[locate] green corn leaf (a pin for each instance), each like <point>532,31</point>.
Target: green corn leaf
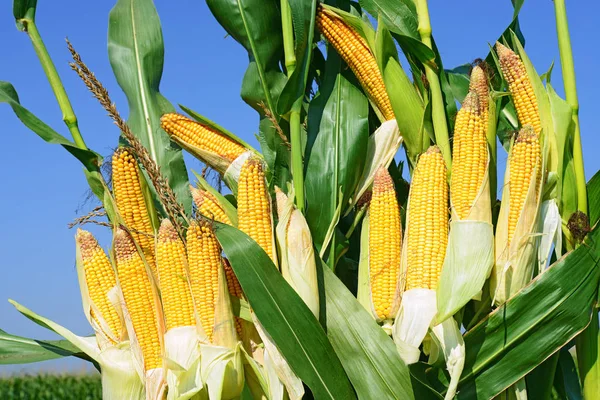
<point>136,53</point>
<point>21,350</point>
<point>338,133</point>
<point>284,316</point>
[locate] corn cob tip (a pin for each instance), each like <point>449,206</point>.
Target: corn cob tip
<point>124,246</point>
<point>526,134</point>
<point>433,150</point>
<point>502,50</point>
<point>167,232</point>
<point>87,242</point>
<point>383,180</point>
<point>471,103</point>
<point>478,75</point>
<point>281,198</point>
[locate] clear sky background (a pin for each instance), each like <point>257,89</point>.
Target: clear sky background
<point>44,188</point>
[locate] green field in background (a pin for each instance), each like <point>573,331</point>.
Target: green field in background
<point>51,387</point>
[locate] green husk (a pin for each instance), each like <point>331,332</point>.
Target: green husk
<point>448,338</point>
<point>363,293</point>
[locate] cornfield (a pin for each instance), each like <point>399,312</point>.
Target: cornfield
<point>362,251</point>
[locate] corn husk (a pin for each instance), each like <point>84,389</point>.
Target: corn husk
<point>449,341</point>
<point>515,264</point>
<point>120,379</point>
<point>182,360</point>
<point>381,149</point>
<point>551,223</point>
<point>363,293</point>
<point>416,312</point>
<point>231,175</point>
<point>296,251</point>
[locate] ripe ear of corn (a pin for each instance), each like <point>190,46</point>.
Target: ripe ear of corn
<point>254,206</point>
<point>208,205</point>
<point>470,160</point>
<point>354,51</point>
<point>200,139</point>
<point>142,305</point>
<point>178,307</point>
<point>131,203</point>
<point>520,87</point>
<point>100,279</point>
<point>385,242</point>
<point>427,221</point>
<point>204,261</point>
<point>235,290</point>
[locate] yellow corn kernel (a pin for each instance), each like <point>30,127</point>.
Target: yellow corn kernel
<point>354,51</point>
<point>254,206</point>
<point>204,261</point>
<point>427,221</point>
<point>201,136</point>
<point>127,189</point>
<point>469,155</point>
<point>385,242</point>
<point>100,279</point>
<point>235,290</point>
<point>520,87</point>
<point>178,307</point>
<point>209,206</point>
<point>139,299</point>
<point>524,159</point>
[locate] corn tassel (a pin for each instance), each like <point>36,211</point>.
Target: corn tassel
<point>520,87</point>
<point>127,189</point>
<point>100,279</point>
<point>254,206</point>
<point>204,260</point>
<point>427,226</point>
<point>469,155</point>
<point>354,51</point>
<point>385,242</point>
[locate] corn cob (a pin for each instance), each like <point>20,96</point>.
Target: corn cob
<point>100,279</point>
<point>209,206</point>
<point>235,290</point>
<point>254,206</point>
<point>204,260</point>
<point>385,242</point>
<point>525,158</point>
<point>127,190</point>
<point>427,224</point>
<point>469,155</point>
<point>479,84</point>
<point>178,307</point>
<point>520,87</point>
<point>202,136</point>
<point>354,51</point>
<point>139,298</point>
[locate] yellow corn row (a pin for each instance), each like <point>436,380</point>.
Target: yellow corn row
<point>427,225</point>
<point>469,155</point>
<point>201,136</point>
<point>178,306</point>
<point>385,242</point>
<point>525,157</point>
<point>254,206</point>
<point>139,298</point>
<point>127,189</point>
<point>520,87</point>
<point>204,261</point>
<point>209,206</point>
<point>100,279</point>
<point>235,289</point>
<point>354,51</point>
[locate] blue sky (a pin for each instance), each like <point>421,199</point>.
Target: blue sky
<point>45,188</point>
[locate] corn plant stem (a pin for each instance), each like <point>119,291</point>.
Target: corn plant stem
<point>440,125</point>
<point>568,71</point>
<point>295,121</point>
<point>59,90</point>
<point>357,218</point>
<point>587,345</point>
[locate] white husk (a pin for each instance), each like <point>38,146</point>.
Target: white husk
<point>276,387</point>
<point>120,380</point>
<point>468,263</point>
<point>382,146</point>
<point>450,340</point>
<point>232,172</point>
<point>182,360</point>
<point>363,294</point>
<point>298,266</point>
<point>551,233</point>
<point>417,309</point>
<point>222,371</point>
<point>290,380</point>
